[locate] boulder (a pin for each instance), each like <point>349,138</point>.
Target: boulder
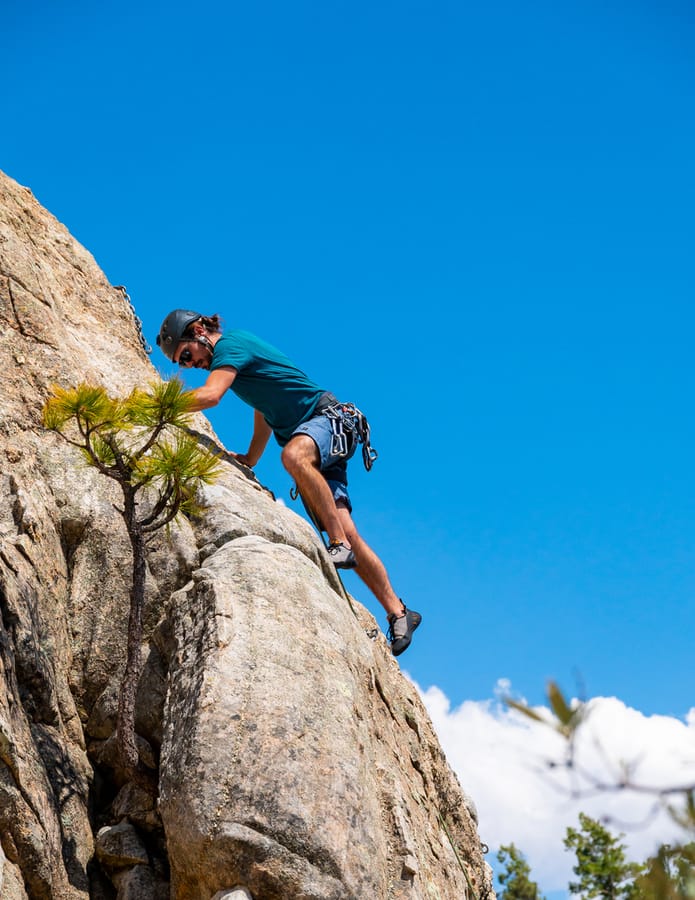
<point>289,755</point>
<point>120,846</point>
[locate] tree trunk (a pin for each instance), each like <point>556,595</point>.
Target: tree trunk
<point>127,745</point>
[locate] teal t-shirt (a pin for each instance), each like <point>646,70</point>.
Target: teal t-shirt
<point>268,381</point>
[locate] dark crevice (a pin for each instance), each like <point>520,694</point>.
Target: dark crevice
<point>13,305</point>
<point>315,856</point>
<point>382,694</point>
<point>225,456</point>
<point>20,326</point>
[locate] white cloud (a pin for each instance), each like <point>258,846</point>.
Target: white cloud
<point>502,760</point>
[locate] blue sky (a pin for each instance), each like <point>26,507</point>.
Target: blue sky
<point>473,220</point>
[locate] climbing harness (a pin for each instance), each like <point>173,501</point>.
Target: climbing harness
<point>347,420</point>
<point>138,322</point>
<point>347,423</point>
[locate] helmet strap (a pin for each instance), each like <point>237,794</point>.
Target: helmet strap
<point>202,339</point>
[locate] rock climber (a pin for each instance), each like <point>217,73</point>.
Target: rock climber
<point>317,433</point>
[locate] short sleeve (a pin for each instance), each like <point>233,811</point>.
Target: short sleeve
<point>231,350</point>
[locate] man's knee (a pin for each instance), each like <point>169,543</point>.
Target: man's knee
<point>287,456</point>
<point>298,452</point>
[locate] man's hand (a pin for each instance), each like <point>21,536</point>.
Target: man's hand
<point>261,435</point>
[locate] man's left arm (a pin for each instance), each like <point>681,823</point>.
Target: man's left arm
<point>259,441</point>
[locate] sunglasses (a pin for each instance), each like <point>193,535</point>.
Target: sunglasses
<point>185,357</point>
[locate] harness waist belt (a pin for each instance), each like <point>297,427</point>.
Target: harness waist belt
<point>325,401</point>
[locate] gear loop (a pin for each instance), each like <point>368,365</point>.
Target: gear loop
<point>346,417</point>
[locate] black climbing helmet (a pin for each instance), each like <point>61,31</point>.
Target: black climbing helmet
<point>173,328</point>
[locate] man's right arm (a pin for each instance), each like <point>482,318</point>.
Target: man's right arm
<point>211,392</point>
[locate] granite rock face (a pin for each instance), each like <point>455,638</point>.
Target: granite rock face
<point>285,754</point>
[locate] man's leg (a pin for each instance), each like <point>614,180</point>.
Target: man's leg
<point>369,567</point>
<point>402,621</point>
<point>302,460</point>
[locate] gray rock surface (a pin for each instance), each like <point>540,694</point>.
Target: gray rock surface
<point>288,755</point>
<point>140,883</point>
<point>120,847</point>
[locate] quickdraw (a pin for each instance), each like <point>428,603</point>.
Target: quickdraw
<point>138,321</point>
<point>347,420</point>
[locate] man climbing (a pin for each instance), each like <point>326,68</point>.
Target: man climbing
<point>317,433</point>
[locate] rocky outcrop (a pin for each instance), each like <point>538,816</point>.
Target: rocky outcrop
<point>285,756</point>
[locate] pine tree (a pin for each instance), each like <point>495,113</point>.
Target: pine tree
<point>140,443</point>
<point>514,879</point>
<point>602,867</point>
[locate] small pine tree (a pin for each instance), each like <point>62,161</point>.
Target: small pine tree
<point>515,878</point>
<point>139,442</point>
<point>602,867</point>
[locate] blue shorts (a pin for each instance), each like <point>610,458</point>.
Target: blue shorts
<point>333,467</point>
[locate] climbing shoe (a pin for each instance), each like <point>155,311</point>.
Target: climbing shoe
<point>401,629</point>
<point>342,556</point>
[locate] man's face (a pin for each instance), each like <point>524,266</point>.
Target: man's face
<point>191,354</point>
